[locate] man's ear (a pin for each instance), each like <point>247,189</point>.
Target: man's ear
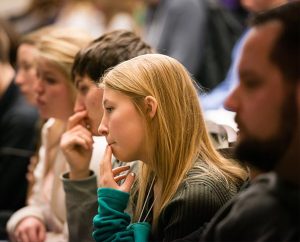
<point>150,106</point>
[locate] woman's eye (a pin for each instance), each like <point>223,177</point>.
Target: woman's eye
<point>22,65</point>
<point>109,109</point>
<point>50,80</point>
<point>27,66</point>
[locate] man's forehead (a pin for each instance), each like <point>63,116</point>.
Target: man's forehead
<point>259,43</point>
<point>79,79</point>
<point>264,34</point>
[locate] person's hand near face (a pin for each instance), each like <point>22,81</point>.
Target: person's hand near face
<point>110,178</point>
<point>77,146</point>
<point>30,229</point>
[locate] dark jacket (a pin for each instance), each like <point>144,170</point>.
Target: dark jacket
<point>18,127</point>
<point>269,210</point>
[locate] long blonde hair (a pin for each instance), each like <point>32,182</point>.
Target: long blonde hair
<point>60,45</point>
<point>177,133</point>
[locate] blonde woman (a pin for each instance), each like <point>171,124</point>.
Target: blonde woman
<point>26,76</point>
<point>44,219</point>
<point>26,79</point>
<point>152,114</point>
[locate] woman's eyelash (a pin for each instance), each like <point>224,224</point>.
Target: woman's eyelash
<point>108,109</point>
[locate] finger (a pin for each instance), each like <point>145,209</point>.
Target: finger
<point>41,233</point>
<point>73,138</point>
<point>80,142</point>
<point>116,171</point>
<point>105,163</point>
<point>75,119</point>
<point>82,133</point>
<point>82,129</point>
<point>23,237</point>
<point>120,178</point>
<point>32,234</point>
<point>126,186</point>
<point>86,135</point>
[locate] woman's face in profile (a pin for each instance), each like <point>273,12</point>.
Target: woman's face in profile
<point>123,126</point>
<point>26,77</point>
<point>55,97</point>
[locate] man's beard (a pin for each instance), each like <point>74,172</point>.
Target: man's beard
<point>265,154</point>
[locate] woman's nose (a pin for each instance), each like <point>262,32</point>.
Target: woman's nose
<point>19,78</point>
<point>38,87</point>
<point>103,130</point>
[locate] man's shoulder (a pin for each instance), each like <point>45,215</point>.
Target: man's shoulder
<point>264,210</point>
<point>265,193</point>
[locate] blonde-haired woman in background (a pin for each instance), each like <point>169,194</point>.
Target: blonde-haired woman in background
<point>26,76</point>
<point>44,219</point>
<point>152,114</point>
<point>26,79</point>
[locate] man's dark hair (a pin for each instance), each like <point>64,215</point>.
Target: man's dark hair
<point>286,50</point>
<point>106,52</point>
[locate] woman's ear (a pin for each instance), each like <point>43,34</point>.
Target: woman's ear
<point>150,106</point>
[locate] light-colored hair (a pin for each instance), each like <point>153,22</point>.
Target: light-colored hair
<point>32,38</point>
<point>177,132</point>
<point>60,47</point>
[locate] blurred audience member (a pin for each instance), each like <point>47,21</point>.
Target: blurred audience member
<point>216,98</point>
<point>82,14</point>
<point>39,13</point>
<point>26,79</point>
<point>18,132</point>
<point>44,219</point>
<point>176,28</point>
<point>118,14</point>
<point>26,76</point>
<point>200,34</point>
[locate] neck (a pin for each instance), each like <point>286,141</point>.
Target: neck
<point>7,74</point>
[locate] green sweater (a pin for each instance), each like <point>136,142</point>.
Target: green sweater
<point>112,223</point>
<point>197,199</point>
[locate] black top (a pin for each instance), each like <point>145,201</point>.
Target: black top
<point>18,137</point>
<point>197,199</point>
<point>269,210</point>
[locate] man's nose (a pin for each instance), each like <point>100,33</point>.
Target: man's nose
<point>79,104</point>
<point>231,102</point>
